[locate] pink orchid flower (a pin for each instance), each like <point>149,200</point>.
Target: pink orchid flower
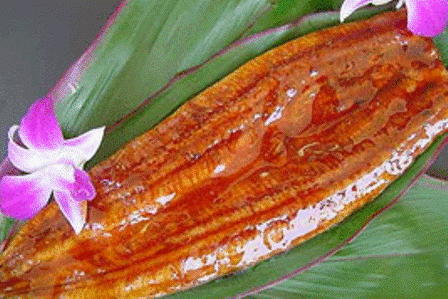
<point>425,17</point>
<point>54,166</point>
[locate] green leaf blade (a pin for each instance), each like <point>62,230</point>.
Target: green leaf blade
<point>148,44</point>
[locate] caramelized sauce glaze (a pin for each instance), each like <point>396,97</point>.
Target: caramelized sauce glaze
<point>277,152</point>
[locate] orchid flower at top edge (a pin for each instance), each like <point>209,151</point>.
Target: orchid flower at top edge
<point>53,166</point>
<point>426,18</point>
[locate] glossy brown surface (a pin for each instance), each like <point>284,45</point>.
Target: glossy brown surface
<point>278,151</point>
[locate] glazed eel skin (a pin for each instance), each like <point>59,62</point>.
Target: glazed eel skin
<point>278,151</point>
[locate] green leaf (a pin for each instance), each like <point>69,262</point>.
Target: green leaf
<point>148,44</point>
<point>285,12</point>
<point>6,225</point>
<point>401,254</point>
<point>441,42</point>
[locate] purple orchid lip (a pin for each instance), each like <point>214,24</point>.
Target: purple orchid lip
<point>54,166</point>
<point>426,18</point>
<point>83,187</point>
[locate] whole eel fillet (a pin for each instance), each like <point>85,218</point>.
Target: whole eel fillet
<point>280,150</point>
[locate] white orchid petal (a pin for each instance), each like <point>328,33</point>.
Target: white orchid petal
<point>349,7</point>
<point>74,152</point>
<point>74,211</point>
<point>60,176</point>
<point>380,2</point>
<point>27,160</point>
<point>86,145</point>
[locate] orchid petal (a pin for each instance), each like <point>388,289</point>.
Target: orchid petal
<point>39,128</point>
<point>22,197</point>
<point>85,145</point>
<point>427,18</point>
<point>83,187</point>
<point>55,165</point>
<point>74,211</point>
<point>380,2</point>
<point>59,176</point>
<point>25,159</point>
<point>349,7</point>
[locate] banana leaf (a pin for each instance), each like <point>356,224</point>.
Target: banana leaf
<point>152,56</point>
